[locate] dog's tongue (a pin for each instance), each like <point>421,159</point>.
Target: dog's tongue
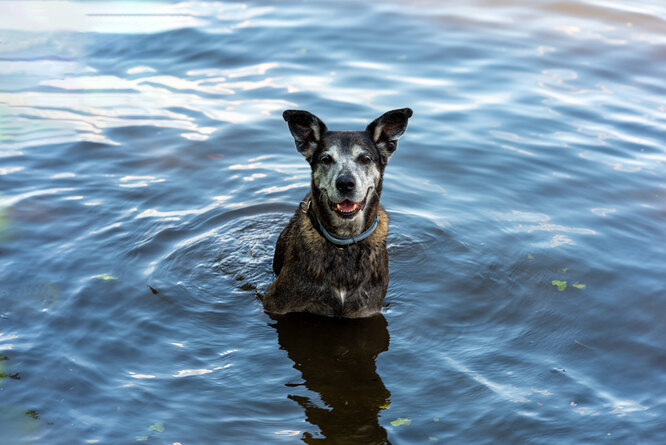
<point>347,205</point>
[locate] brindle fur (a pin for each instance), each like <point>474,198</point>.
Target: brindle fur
<point>314,275</point>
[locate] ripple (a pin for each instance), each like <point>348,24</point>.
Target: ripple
<point>86,122</point>
<point>508,392</point>
<point>145,98</point>
<point>191,372</point>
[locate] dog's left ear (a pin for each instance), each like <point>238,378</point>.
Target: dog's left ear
<point>307,130</point>
<point>387,128</point>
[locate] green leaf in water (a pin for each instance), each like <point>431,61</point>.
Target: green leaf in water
<point>530,257</point>
<point>578,285</point>
<point>561,285</point>
<point>141,438</point>
<point>105,276</point>
<point>159,427</point>
<point>401,421</point>
<point>385,405</point>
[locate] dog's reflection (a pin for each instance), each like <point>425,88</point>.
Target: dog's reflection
<point>336,358</point>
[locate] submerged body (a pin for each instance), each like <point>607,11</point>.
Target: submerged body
<point>331,258</point>
<point>315,276</point>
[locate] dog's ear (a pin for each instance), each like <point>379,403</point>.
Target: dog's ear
<point>387,128</point>
<point>307,130</point>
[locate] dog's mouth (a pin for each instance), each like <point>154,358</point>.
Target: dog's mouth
<point>347,208</point>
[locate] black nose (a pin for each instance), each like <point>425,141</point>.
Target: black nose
<point>345,183</point>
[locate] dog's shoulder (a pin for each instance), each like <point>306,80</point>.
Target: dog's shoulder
<point>284,242</point>
<point>297,235</point>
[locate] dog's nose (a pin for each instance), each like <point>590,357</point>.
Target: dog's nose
<point>345,183</point>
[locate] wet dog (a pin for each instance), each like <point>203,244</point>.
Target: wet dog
<point>331,258</point>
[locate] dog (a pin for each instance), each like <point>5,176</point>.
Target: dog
<point>331,258</point>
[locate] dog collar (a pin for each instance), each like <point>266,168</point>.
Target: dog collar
<point>340,242</point>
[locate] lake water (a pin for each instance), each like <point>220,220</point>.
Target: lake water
<point>146,172</point>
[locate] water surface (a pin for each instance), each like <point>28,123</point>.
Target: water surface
<point>146,172</point>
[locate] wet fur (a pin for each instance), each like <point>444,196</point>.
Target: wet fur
<point>313,275</point>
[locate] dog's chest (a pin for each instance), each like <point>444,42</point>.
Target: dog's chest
<point>345,269</point>
<point>340,293</point>
<point>349,276</point>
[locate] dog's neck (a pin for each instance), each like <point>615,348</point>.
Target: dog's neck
<point>342,228</point>
<point>336,240</point>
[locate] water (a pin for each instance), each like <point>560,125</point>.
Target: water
<point>145,173</point>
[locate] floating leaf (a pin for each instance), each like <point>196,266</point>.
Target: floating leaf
<point>578,285</point>
<point>561,285</point>
<point>15,376</point>
<point>141,438</point>
<point>159,427</point>
<point>564,270</point>
<point>105,276</point>
<point>530,257</point>
<point>386,405</point>
<point>436,419</point>
<point>432,439</point>
<point>401,421</point>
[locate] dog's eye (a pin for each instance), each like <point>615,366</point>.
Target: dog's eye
<point>326,159</point>
<point>364,159</point>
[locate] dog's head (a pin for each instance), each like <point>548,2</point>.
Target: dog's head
<point>347,166</point>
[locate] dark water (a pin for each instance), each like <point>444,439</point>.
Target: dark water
<point>145,173</point>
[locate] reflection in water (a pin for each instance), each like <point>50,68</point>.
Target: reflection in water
<point>336,358</point>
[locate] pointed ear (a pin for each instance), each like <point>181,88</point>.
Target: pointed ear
<point>387,128</point>
<point>307,130</point>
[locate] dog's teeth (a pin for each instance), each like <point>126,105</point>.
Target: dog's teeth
<point>338,206</point>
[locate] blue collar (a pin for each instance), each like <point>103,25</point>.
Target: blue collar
<point>333,239</point>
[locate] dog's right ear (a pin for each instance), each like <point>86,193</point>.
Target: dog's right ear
<point>307,130</point>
